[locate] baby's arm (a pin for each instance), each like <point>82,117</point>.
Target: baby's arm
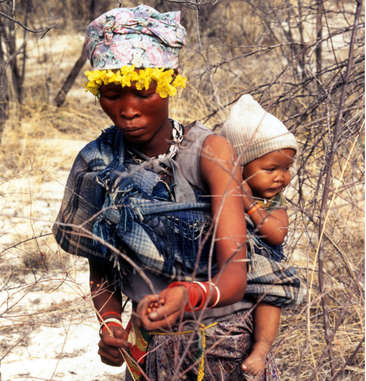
<point>272,225</point>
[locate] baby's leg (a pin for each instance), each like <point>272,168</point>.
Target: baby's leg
<point>266,322</point>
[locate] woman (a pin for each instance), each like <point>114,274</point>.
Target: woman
<point>136,206</point>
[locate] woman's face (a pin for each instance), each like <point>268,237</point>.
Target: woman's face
<point>142,116</point>
<point>269,174</point>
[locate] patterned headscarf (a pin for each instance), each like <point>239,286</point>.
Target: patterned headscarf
<point>141,37</point>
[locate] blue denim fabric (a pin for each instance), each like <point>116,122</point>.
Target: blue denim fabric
<point>259,246</point>
<point>140,216</point>
<point>255,244</point>
<point>134,211</point>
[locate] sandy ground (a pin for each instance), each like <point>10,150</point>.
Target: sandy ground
<point>48,329</point>
<point>47,325</point>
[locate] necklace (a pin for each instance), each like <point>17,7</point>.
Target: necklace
<point>177,138</point>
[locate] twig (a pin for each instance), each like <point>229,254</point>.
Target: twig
<point>24,241</point>
<point>325,196</point>
<point>43,31</point>
<point>349,360</point>
<point>11,348</point>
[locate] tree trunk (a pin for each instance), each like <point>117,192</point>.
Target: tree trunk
<point>4,91</point>
<point>61,95</point>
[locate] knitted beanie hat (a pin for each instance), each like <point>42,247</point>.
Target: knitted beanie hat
<point>254,132</point>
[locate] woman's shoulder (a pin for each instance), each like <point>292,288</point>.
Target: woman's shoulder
<point>216,146</point>
<point>106,138</point>
<point>188,158</point>
<point>194,138</point>
<point>102,149</point>
<point>202,136</point>
<point>197,129</point>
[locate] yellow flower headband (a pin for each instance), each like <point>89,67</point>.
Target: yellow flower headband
<point>166,81</point>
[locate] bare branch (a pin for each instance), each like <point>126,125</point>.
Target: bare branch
<point>43,31</point>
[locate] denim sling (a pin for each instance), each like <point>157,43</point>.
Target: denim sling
<point>140,215</point>
<point>110,201</point>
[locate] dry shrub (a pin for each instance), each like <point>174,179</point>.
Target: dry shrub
<point>239,48</point>
<point>322,339</point>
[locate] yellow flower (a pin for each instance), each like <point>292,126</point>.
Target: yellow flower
<point>180,81</point>
<point>109,77</point>
<point>128,75</point>
<point>166,84</point>
<point>144,80</point>
<point>92,75</point>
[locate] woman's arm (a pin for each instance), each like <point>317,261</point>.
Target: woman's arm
<point>108,306</point>
<point>104,297</point>
<point>223,179</point>
<point>272,225</point>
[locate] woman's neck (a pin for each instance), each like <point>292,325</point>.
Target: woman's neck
<point>159,143</point>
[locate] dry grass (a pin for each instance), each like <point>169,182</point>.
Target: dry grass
<point>41,141</point>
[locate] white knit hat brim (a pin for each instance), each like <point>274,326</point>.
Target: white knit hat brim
<point>248,152</point>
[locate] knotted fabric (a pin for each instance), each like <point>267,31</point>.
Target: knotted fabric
<point>140,215</point>
<point>139,36</point>
<point>110,202</point>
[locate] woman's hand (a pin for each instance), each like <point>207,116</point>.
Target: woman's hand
<point>168,306</point>
<point>110,344</point>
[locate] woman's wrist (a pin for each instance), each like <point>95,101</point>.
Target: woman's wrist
<point>200,294</point>
<point>109,319</point>
<point>109,314</point>
<point>109,323</point>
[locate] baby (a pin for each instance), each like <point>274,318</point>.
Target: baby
<point>266,150</point>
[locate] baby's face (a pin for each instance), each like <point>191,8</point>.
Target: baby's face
<point>269,174</point>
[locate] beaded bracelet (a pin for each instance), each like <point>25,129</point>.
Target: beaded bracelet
<point>254,203</point>
<point>110,313</point>
<point>253,209</point>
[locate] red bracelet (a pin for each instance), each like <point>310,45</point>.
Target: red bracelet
<point>112,323</point>
<point>199,289</point>
<point>196,293</point>
<point>110,314</point>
